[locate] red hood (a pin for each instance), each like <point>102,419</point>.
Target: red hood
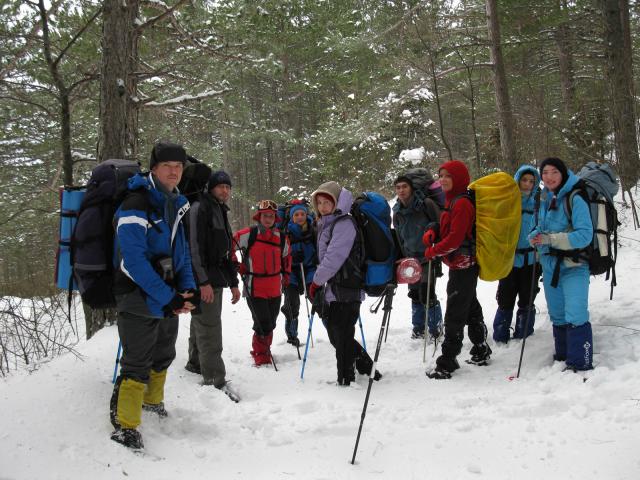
<point>460,175</point>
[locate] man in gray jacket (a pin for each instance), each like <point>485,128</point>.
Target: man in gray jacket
<point>210,240</point>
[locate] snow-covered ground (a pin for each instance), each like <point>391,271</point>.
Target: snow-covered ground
<point>548,424</point>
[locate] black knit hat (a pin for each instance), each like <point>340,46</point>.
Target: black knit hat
<point>559,164</point>
<point>219,177</point>
<point>167,152</point>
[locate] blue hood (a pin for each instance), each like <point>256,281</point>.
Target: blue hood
<point>533,171</point>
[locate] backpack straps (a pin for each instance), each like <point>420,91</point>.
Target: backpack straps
<point>149,209</point>
<point>468,243</point>
<point>253,238</point>
<point>577,254</point>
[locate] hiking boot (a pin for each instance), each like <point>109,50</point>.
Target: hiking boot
<point>434,321</point>
<point>445,366</point>
<point>527,318</point>
<point>434,337</point>
<point>480,354</point>
<point>417,333</point>
<point>344,382</point>
<point>129,437</point>
<point>189,367</point>
<point>293,341</point>
<point>229,392</point>
<point>157,408</point>
<point>501,325</point>
<point>439,373</point>
<point>260,359</point>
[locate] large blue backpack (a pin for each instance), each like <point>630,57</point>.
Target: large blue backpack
<point>372,216</point>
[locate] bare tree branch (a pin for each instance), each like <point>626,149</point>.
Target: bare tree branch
<point>28,102</point>
<point>187,98</point>
<point>30,37</point>
<point>77,36</point>
<point>167,12</point>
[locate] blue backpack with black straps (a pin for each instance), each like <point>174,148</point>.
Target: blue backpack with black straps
<point>372,216</point>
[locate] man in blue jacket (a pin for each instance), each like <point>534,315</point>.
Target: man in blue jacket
<point>154,283</point>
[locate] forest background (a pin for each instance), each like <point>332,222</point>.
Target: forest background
<point>286,94</point>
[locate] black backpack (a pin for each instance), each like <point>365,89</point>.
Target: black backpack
<point>195,177</point>
<point>424,186</point>
<point>93,235</point>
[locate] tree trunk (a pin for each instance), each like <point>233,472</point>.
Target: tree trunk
<point>118,117</point>
<point>62,95</point>
<point>619,76</point>
<point>434,80</point>
<point>503,104</point>
<point>565,61</point>
<point>472,106</point>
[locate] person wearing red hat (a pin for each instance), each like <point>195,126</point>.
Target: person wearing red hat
<point>453,240</point>
<point>265,269</point>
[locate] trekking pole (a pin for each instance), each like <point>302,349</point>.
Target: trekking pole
<point>529,308</point>
<point>249,304</point>
<point>364,344</point>
<point>306,302</point>
<point>388,301</point>
<point>306,347</point>
<point>288,300</point>
<point>386,333</point>
<point>424,352</point>
<point>115,370</point>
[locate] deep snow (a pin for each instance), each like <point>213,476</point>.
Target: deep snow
<point>548,424</point>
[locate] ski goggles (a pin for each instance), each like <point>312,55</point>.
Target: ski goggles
<point>267,205</point>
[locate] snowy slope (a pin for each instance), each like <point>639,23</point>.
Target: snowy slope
<point>548,424</point>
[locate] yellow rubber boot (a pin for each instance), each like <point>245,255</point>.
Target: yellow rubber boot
<point>129,410</point>
<point>154,393</point>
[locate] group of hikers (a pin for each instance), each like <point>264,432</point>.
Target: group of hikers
<point>173,258</point>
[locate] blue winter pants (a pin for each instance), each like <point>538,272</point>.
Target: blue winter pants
<point>568,303</point>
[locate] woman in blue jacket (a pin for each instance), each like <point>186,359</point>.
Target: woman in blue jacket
<point>519,281</point>
<point>566,282</point>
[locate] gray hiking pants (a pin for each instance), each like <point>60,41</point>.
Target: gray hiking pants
<point>147,343</point>
<point>205,341</point>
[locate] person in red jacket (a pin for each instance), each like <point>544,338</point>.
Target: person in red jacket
<point>265,269</point>
<point>453,240</point>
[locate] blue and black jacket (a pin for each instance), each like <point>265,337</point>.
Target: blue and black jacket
<point>303,252</point>
<point>525,253</point>
<point>148,227</point>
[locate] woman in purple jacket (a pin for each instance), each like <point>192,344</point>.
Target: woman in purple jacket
<point>335,289</point>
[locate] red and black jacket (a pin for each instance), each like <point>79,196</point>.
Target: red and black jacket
<point>265,259</point>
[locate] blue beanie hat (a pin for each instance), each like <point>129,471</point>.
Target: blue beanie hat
<point>296,207</point>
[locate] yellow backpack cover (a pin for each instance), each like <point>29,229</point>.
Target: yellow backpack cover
<point>498,215</point>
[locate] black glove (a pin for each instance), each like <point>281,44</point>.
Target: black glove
<point>195,300</point>
<point>176,303</point>
<point>297,257</point>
